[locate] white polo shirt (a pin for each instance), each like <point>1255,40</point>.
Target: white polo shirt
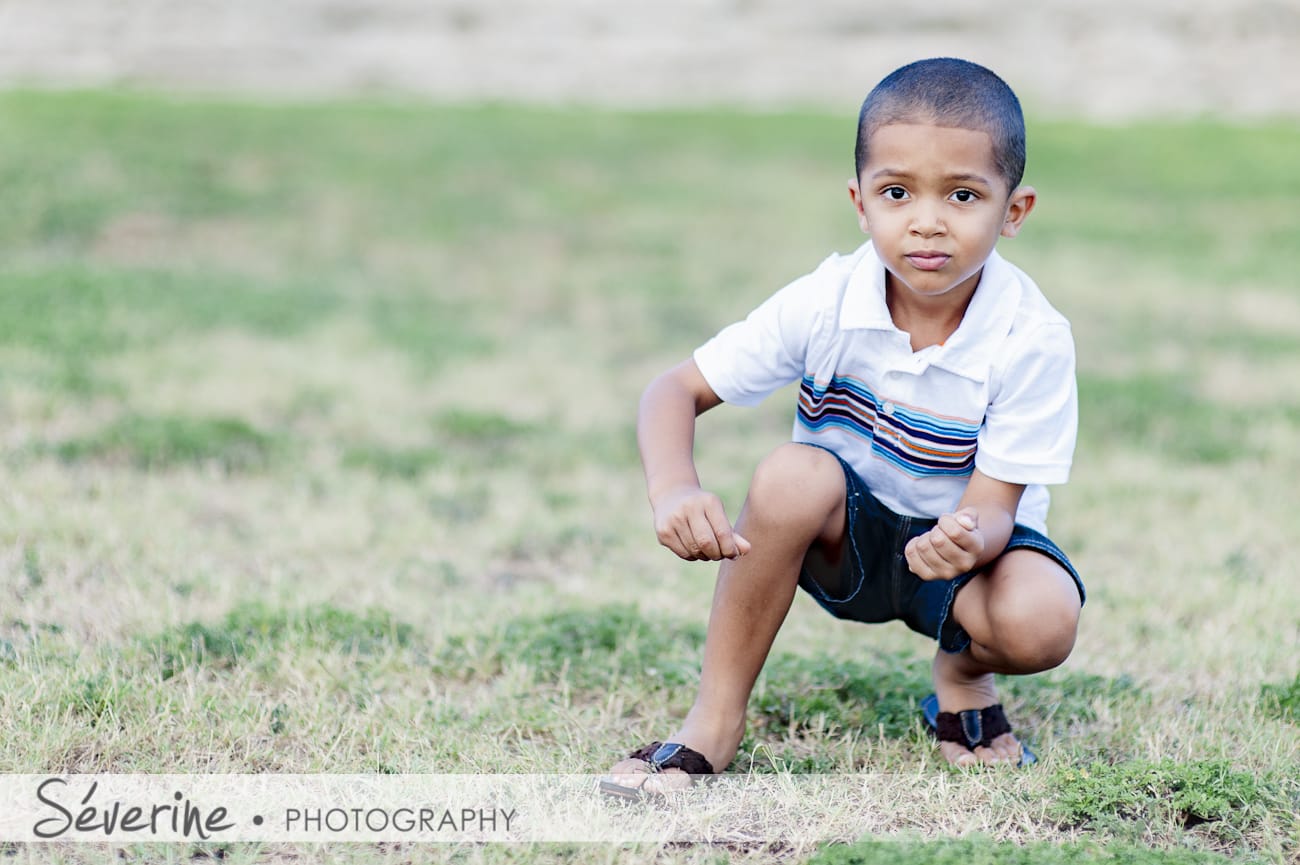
<point>998,395</point>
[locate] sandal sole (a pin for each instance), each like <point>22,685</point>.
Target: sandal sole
<point>621,791</point>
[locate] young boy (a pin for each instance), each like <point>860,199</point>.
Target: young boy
<point>937,398</point>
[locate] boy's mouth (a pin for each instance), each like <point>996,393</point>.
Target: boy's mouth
<point>926,260</point>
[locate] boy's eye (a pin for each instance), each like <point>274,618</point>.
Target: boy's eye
<point>895,193</point>
<point>964,196</point>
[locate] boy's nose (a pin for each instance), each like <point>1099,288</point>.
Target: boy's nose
<point>926,221</point>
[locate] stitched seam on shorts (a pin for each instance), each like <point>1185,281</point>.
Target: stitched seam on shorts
<point>946,615</point>
<point>852,493</point>
<point>851,524</point>
<point>900,565</point>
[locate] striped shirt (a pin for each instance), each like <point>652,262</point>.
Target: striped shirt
<point>998,395</point>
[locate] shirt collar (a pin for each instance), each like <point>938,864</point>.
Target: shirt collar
<point>969,351</point>
<point>864,304</point>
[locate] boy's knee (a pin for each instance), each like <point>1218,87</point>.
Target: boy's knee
<point>798,470</point>
<point>1035,636</point>
<point>797,478</point>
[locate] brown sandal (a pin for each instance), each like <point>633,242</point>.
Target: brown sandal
<point>973,728</point>
<point>660,756</point>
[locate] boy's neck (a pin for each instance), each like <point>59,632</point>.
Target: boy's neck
<point>929,321</point>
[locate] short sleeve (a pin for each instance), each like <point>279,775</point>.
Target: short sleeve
<point>749,360</point>
<point>1032,419</point>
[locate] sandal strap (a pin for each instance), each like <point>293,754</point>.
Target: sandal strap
<point>974,728</point>
<point>673,755</point>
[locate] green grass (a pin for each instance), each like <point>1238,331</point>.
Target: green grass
<point>799,692</point>
<point>1200,792</point>
<point>164,442</point>
<point>592,648</point>
<point>399,463</point>
<point>319,456</point>
<point>1282,699</point>
<point>252,629</point>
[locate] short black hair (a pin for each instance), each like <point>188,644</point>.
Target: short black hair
<point>949,92</point>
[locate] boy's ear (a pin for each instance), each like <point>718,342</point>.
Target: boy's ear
<point>855,195</point>
<point>1023,199</point>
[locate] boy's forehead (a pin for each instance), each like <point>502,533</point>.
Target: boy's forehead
<point>918,115</point>
<point>913,132</point>
<point>926,141</point>
<point>928,127</point>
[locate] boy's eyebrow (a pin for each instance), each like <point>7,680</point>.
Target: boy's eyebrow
<point>959,176</point>
<point>979,178</point>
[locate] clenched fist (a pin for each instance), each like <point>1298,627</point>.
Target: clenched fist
<point>948,550</point>
<point>692,523</point>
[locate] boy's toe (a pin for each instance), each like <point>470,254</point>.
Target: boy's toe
<point>629,774</point>
<point>633,778</point>
<point>987,756</point>
<point>957,755</point>
<point>666,781</point>
<point>1006,748</point>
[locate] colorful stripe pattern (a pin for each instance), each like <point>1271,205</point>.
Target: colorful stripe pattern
<point>910,439</point>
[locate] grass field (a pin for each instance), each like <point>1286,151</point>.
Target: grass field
<point>318,457</point>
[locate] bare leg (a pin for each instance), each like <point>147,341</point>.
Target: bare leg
<point>1022,615</point>
<point>795,500</point>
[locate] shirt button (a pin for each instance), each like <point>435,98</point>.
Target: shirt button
<point>889,409</point>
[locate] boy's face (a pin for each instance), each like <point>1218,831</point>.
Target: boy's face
<point>934,204</point>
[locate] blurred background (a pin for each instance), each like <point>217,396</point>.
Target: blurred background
<point>1107,59</point>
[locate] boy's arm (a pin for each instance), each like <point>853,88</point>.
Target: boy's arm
<point>971,537</point>
<point>688,520</point>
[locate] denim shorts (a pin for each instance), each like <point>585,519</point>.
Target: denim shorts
<point>874,583</point>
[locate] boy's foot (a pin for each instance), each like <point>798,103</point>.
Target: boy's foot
<point>971,728</point>
<point>656,769</point>
<point>958,690</point>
